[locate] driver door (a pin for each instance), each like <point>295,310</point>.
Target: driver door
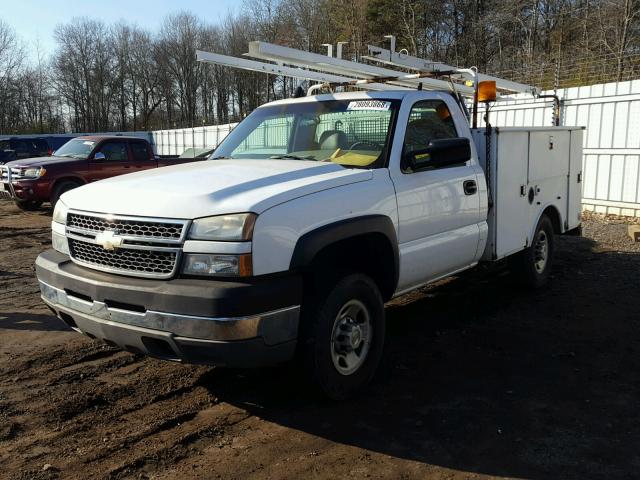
<point>116,161</point>
<point>438,211</point>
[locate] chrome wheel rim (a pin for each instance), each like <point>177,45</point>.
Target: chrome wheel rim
<point>350,337</point>
<point>541,251</point>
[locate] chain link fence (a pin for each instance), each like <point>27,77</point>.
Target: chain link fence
<point>572,71</point>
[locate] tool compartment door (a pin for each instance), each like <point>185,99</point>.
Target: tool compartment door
<point>511,209</point>
<point>548,168</point>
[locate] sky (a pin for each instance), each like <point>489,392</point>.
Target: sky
<point>35,20</point>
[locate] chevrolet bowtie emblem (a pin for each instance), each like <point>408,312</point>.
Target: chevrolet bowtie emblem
<point>109,240</point>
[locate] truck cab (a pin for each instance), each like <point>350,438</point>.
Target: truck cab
<point>288,241</point>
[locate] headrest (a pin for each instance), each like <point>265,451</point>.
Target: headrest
<point>333,139</point>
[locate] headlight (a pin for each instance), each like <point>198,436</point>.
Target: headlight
<point>237,227</point>
<point>60,213</point>
<point>217,265</point>
<point>36,172</point>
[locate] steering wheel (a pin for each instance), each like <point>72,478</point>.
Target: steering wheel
<point>376,146</point>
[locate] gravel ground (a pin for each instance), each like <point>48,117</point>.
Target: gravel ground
<point>610,231</point>
<point>479,380</point>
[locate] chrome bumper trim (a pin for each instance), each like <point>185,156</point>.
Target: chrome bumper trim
<point>274,327</point>
<point>11,193</point>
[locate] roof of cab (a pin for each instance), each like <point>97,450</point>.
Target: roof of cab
<point>386,94</point>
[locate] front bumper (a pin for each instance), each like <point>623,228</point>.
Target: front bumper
<point>23,190</point>
<point>195,321</point>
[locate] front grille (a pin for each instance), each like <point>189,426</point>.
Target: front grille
<point>130,227</point>
<point>145,247</point>
<point>16,174</point>
<point>124,260</point>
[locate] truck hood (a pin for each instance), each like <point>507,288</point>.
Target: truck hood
<point>40,161</point>
<point>211,187</point>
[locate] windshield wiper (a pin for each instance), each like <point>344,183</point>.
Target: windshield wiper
<point>292,157</point>
<point>222,157</point>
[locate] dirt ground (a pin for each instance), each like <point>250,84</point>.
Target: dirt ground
<point>479,380</point>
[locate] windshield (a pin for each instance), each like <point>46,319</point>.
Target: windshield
<point>348,132</point>
<point>77,148</point>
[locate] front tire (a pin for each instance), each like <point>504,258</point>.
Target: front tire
<point>532,266</point>
<point>344,337</point>
<point>60,189</point>
<point>29,206</point>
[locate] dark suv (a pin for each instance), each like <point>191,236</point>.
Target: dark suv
<point>23,147</point>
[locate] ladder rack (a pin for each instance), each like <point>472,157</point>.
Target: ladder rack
<point>332,71</point>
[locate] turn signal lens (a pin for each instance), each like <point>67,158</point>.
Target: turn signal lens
<point>59,243</point>
<point>217,265</point>
<point>60,213</point>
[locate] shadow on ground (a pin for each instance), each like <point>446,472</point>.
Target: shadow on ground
<point>31,321</point>
<point>482,377</point>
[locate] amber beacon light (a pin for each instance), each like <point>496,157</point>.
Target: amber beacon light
<point>487,91</point>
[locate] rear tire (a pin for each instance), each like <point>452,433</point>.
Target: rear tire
<point>60,189</point>
<point>29,206</point>
<point>343,338</point>
<point>532,266</point>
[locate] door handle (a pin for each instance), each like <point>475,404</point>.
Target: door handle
<point>470,187</point>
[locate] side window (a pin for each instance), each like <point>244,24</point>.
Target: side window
<point>21,146</point>
<point>115,151</point>
<point>139,151</point>
<point>428,120</point>
<point>40,145</point>
<point>4,145</point>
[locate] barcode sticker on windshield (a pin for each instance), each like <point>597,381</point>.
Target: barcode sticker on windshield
<point>369,105</point>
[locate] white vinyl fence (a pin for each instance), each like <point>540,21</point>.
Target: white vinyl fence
<point>174,142</point>
<point>611,114</point>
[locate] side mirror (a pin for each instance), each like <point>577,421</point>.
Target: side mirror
<point>439,153</point>
<point>99,157</point>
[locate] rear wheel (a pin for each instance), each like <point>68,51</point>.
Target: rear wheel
<point>29,205</point>
<point>60,189</point>
<point>344,336</point>
<point>532,266</point>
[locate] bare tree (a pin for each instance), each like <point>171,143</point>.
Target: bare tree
<point>120,76</point>
<point>179,39</point>
<point>619,29</point>
<point>11,55</point>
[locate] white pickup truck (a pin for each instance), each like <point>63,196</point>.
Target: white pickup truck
<point>308,217</point>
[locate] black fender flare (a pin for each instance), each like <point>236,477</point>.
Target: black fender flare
<point>309,244</point>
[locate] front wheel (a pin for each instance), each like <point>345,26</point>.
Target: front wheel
<point>532,266</point>
<point>29,206</point>
<point>344,338</point>
<point>60,189</point>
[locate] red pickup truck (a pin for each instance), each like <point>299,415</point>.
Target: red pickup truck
<point>32,181</point>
